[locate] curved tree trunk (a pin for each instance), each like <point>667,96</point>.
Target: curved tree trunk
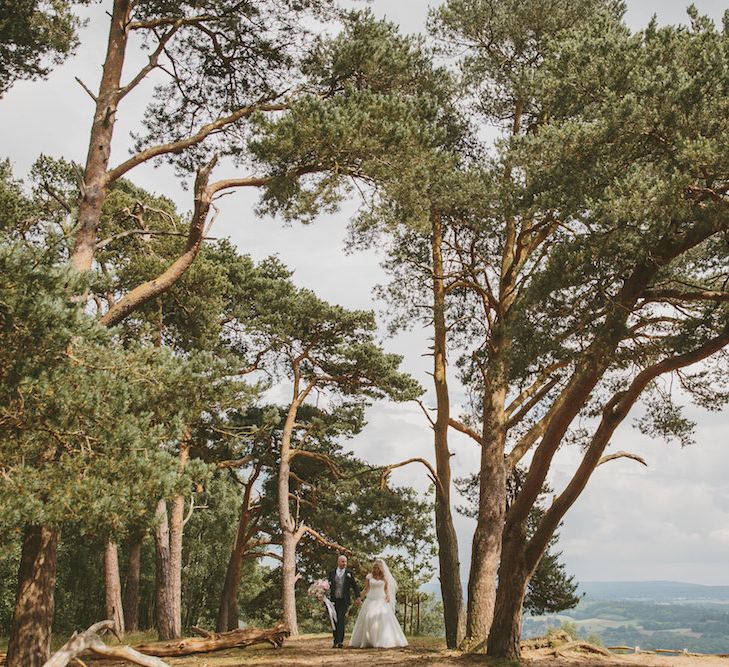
<point>95,186</point>
<point>163,575</point>
<point>112,587</point>
<point>228,613</point>
<point>30,631</point>
<point>289,539</point>
<point>449,565</point>
<point>131,590</point>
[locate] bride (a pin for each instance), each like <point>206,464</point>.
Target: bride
<point>376,625</point>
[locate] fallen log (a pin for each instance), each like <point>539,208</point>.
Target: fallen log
<point>90,640</point>
<point>585,647</point>
<point>548,641</point>
<point>217,641</point>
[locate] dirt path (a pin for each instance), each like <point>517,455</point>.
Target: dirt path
<point>310,651</point>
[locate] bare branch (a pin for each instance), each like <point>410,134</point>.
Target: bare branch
<point>326,460</point>
<point>152,61</point>
<point>86,88</point>
<point>622,455</point>
<point>535,386</point>
<point>306,530</point>
<point>192,140</point>
<point>432,474</point>
<point>464,429</point>
<point>425,411</point>
<point>151,232</point>
<point>532,402</point>
<point>235,463</point>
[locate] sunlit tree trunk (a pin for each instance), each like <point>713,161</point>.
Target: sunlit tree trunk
<point>448,560</point>
<point>30,632</point>
<point>112,587</point>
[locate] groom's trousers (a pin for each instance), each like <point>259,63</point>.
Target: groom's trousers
<point>341,606</point>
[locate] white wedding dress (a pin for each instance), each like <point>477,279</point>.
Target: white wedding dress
<point>376,625</point>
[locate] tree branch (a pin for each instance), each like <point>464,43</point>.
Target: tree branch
<point>135,232</point>
<point>152,61</point>
<point>235,463</point>
<point>622,455</point>
<point>86,88</point>
<point>153,288</point>
<point>326,460</point>
<point>459,426</point>
<point>306,530</point>
<point>614,412</point>
<point>535,386</point>
<point>192,140</point>
<point>679,295</point>
<point>432,474</point>
<point>425,411</point>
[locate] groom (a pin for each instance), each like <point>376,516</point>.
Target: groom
<point>341,580</point>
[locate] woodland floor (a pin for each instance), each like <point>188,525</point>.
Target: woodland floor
<point>311,650</point>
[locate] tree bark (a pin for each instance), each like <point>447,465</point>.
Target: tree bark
<point>177,515</point>
<point>131,591</point>
<point>112,587</point>
<point>211,641</point>
<point>286,521</point>
<point>30,632</point>
<point>449,565</point>
<point>228,613</point>
<point>514,575</point>
<point>95,186</point>
<point>163,575</point>
<point>486,548</point>
<point>288,577</point>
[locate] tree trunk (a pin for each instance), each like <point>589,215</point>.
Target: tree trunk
<point>448,561</point>
<point>163,575</point>
<point>286,521</point>
<point>486,550</point>
<point>95,186</point>
<point>228,613</point>
<point>30,632</point>
<point>288,580</point>
<point>177,515</point>
<point>112,587</point>
<point>131,591</point>
<point>514,575</point>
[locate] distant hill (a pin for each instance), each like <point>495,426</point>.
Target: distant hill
<point>659,591</point>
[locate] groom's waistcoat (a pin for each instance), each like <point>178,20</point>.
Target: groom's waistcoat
<point>339,587</point>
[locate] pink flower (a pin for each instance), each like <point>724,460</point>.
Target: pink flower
<point>318,588</point>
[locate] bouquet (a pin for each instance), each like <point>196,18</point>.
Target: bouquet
<point>319,590</point>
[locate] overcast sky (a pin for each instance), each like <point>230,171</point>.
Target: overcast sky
<point>667,521</point>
